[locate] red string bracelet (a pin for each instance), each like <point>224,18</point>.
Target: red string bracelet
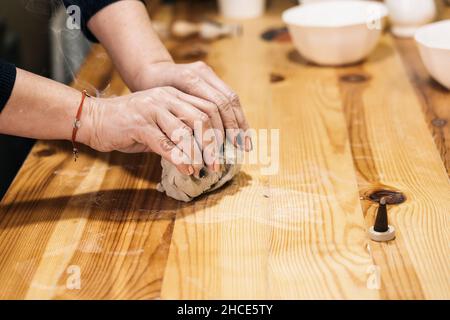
<point>77,124</point>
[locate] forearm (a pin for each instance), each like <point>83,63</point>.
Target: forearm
<point>125,29</point>
<point>40,108</point>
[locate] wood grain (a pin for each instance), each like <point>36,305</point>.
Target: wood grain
<point>300,233</point>
<point>392,149</point>
<point>433,97</point>
<point>101,215</point>
<point>297,234</point>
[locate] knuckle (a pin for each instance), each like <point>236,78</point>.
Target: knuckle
<point>212,110</point>
<point>200,65</point>
<point>190,76</point>
<point>234,99</point>
<point>223,105</point>
<point>159,92</point>
<point>181,134</point>
<point>203,117</point>
<point>136,131</point>
<point>245,126</point>
<point>148,99</point>
<point>230,124</point>
<point>139,133</point>
<point>155,111</point>
<point>165,144</point>
<point>187,131</point>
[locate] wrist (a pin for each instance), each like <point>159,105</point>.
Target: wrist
<point>85,131</point>
<point>152,75</point>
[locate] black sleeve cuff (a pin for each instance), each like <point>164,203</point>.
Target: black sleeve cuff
<point>88,9</point>
<point>7,79</point>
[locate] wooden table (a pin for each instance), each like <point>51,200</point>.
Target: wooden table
<point>301,233</point>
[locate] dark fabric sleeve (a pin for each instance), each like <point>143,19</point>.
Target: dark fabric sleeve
<point>88,9</point>
<point>7,79</point>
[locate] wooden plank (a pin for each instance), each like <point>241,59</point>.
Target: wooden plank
<point>434,98</point>
<point>100,215</point>
<point>25,224</point>
<point>392,149</point>
<point>297,234</point>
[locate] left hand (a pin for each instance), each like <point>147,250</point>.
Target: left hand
<point>198,79</point>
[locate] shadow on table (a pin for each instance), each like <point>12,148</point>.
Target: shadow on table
<point>381,52</point>
<point>113,204</point>
<point>436,86</point>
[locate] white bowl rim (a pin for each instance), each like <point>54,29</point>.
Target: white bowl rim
<point>419,35</point>
<point>285,16</point>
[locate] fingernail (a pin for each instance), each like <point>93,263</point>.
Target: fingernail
<point>239,141</point>
<point>191,170</point>
<point>248,144</point>
<point>202,173</point>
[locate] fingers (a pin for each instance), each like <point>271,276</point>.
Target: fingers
<point>243,124</point>
<point>201,125</point>
<point>185,125</point>
<point>214,81</point>
<point>211,110</point>
<point>183,137</point>
<point>192,83</point>
<point>158,142</point>
<point>199,80</point>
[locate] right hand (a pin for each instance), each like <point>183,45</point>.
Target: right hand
<point>199,80</point>
<point>162,120</point>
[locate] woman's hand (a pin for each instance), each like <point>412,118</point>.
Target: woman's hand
<point>144,63</point>
<point>198,79</point>
<point>162,120</point>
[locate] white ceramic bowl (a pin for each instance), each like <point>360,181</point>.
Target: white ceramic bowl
<point>433,41</point>
<point>238,9</point>
<point>409,15</point>
<point>336,32</point>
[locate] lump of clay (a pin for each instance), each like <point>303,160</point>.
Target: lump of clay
<point>185,188</point>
